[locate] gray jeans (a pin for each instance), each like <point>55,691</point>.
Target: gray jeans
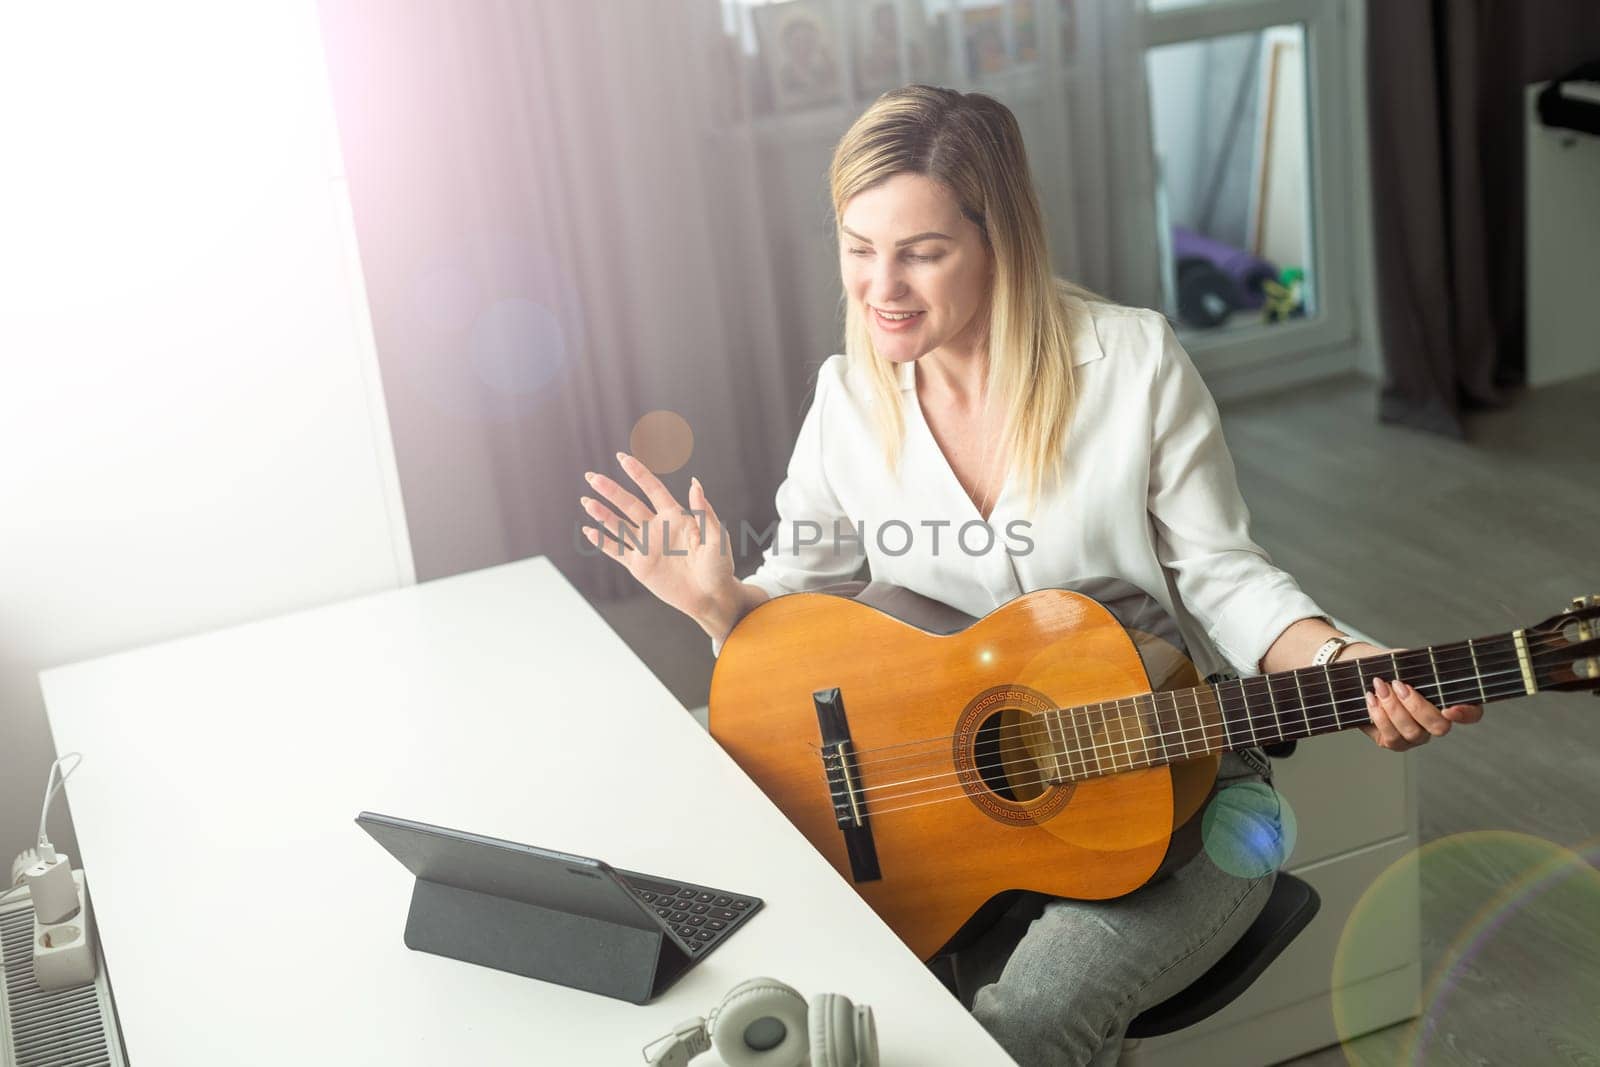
<point>1056,982</point>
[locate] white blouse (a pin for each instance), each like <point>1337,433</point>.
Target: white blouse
<point>1148,495</point>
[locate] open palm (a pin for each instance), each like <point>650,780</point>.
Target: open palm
<point>679,554</point>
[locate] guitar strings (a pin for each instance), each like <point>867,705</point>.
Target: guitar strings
<point>1449,661</point>
<point>961,794</point>
<point>1477,659</point>
<point>1037,733</point>
<point>1144,741</point>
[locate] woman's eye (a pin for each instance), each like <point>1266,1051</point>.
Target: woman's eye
<point>910,256</point>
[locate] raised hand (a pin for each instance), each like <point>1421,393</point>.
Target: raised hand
<point>682,557</point>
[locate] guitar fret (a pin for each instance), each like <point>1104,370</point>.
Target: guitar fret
<point>1333,697</point>
<point>1261,731</point>
<point>1161,728</point>
<point>1305,712</point>
<point>1208,742</point>
<point>1143,756</point>
<point>1152,726</point>
<point>1229,720</point>
<point>1221,746</point>
<point>1057,748</point>
<point>1111,742</point>
<point>1103,733</point>
<point>1122,734</point>
<point>1083,752</point>
<point>1091,751</point>
<point>1274,703</point>
<point>1477,670</point>
<point>1362,678</point>
<point>1438,686</point>
<point>1249,717</point>
<point>1146,721</point>
<point>1066,750</point>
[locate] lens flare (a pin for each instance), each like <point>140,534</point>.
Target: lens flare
<point>1249,829</point>
<point>1517,914</point>
<point>516,346</point>
<point>662,440</point>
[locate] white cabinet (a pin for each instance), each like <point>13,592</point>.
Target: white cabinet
<point>1563,209</point>
<point>1356,806</point>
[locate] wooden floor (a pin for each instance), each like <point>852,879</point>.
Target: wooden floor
<point>1418,540</point>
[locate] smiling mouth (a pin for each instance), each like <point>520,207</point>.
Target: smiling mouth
<point>896,316</point>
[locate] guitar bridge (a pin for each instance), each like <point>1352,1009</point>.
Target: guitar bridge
<point>844,785</point>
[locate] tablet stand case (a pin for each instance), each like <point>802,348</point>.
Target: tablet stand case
<point>554,946</point>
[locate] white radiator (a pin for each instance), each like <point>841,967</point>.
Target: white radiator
<point>57,1028</point>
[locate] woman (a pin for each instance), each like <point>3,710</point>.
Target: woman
<point>977,391</point>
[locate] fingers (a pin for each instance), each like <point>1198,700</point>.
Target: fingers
<point>619,498</point>
<point>710,524</point>
<point>1391,708</point>
<point>626,525</point>
<point>1403,718</point>
<point>1382,729</point>
<point>1418,708</point>
<point>1463,713</point>
<point>660,497</point>
<point>618,538</point>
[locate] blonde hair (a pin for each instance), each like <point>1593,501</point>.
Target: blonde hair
<point>971,144</point>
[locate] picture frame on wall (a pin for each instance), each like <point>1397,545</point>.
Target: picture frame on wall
<point>881,28</point>
<point>999,36</point>
<point>983,32</point>
<point>799,50</point>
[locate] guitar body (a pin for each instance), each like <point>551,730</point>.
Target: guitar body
<point>959,807</point>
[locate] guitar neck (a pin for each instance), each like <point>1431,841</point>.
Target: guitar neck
<point>1160,728</point>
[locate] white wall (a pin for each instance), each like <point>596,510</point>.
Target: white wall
<point>192,431</point>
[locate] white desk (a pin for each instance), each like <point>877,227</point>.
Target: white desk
<point>496,702</point>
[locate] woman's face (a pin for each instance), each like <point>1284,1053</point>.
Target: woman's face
<point>904,246</point>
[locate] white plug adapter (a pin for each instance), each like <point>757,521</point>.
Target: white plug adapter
<point>54,893</point>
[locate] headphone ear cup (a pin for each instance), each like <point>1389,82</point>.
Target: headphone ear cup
<point>842,1034</point>
<point>760,1023</point>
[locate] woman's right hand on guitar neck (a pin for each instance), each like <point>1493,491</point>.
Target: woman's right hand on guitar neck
<point>681,556</point>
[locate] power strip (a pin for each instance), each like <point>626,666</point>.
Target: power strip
<point>64,952</point>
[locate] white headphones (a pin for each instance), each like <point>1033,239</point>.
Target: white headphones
<point>764,1023</point>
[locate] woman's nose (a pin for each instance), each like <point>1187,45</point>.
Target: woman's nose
<point>886,284</point>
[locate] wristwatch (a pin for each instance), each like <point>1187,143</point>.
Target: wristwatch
<point>1330,649</point>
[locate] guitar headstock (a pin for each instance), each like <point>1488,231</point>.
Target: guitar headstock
<point>1566,647</point>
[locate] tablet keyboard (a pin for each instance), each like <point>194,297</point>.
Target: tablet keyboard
<point>702,917</point>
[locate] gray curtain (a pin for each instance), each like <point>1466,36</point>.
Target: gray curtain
<point>553,248</point>
<point>1446,82</point>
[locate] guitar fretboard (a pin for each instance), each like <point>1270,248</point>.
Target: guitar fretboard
<point>1155,729</point>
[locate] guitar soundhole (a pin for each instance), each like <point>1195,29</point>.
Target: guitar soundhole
<point>1000,750</point>
<point>1004,759</point>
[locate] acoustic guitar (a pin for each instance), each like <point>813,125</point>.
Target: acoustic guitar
<point>1031,750</point>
